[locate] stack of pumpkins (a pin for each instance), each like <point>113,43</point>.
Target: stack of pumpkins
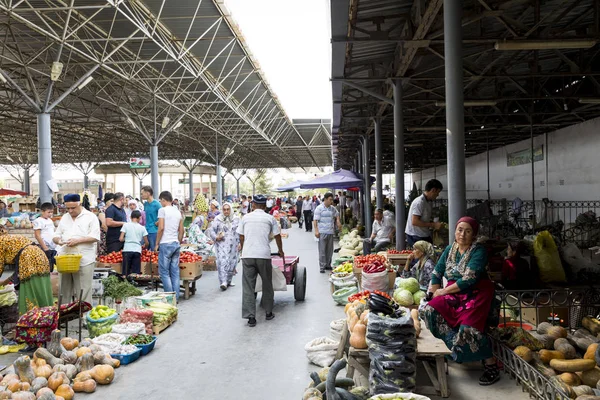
<point>58,371</point>
<point>570,360</point>
<point>357,315</point>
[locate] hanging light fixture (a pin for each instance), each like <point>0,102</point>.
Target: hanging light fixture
<point>2,78</point>
<point>178,125</point>
<point>85,82</point>
<point>55,71</point>
<point>165,122</point>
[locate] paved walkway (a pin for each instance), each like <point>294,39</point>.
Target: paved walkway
<point>210,353</point>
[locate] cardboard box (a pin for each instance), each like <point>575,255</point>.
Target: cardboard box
<point>392,278</point>
<point>210,264</point>
<point>117,267</point>
<point>536,315</point>
<point>190,270</point>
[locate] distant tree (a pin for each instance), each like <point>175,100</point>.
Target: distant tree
<point>263,185</point>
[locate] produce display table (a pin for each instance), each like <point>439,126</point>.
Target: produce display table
<point>431,351</point>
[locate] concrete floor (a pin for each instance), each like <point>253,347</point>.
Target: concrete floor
<point>210,353</point>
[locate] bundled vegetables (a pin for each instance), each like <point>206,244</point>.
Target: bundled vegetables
<point>139,339</point>
<point>119,289</point>
<point>163,312</point>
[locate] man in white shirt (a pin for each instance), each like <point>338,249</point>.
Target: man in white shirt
<point>245,205</point>
<point>269,204</point>
<point>383,231</point>
<point>78,233</point>
<point>418,223</point>
<point>168,243</point>
<point>307,211</point>
<point>255,230</point>
<point>353,205</point>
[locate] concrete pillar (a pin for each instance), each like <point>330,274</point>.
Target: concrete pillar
<point>44,156</point>
<point>399,164</point>
<point>455,135</point>
<point>219,184</point>
<point>361,192</point>
<point>86,182</point>
<point>191,178</point>
<point>26,181</point>
<point>237,183</point>
<point>133,185</point>
<point>105,184</point>
<point>367,184</point>
<point>378,163</point>
<point>155,181</point>
<point>210,192</point>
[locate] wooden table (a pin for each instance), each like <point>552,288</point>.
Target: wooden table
<point>189,286</point>
<point>431,351</point>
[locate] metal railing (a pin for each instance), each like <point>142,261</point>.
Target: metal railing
<point>574,221</point>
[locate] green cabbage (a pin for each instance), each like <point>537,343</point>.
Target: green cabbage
<point>410,284</point>
<point>403,297</point>
<point>417,297</point>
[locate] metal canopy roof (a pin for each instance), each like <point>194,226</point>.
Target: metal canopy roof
<point>150,60</point>
<point>507,93</point>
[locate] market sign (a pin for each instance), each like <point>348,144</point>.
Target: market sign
<point>523,157</point>
<point>139,163</point>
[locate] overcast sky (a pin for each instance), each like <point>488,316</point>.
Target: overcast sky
<point>291,41</point>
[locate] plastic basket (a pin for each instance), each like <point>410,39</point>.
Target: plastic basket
<point>127,358</point>
<point>68,263</point>
<point>97,327</point>
<point>147,348</point>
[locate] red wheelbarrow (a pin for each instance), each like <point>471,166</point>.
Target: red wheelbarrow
<point>294,274</point>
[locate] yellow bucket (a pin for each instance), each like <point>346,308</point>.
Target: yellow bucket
<point>68,263</point>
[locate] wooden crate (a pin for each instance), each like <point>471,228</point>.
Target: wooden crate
<point>156,329</point>
<point>397,259</point>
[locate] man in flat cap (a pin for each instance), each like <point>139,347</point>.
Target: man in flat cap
<point>78,233</point>
<point>255,230</point>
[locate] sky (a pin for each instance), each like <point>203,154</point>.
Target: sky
<point>291,41</point>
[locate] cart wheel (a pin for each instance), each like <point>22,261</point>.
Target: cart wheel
<point>300,284</point>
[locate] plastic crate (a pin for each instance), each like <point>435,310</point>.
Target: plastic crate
<point>147,348</point>
<point>127,358</point>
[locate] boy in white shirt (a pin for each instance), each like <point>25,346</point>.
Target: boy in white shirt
<point>132,234</point>
<point>43,228</point>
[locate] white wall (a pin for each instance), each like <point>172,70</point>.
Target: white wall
<point>570,169</point>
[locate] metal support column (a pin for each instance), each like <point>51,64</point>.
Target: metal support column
<point>86,182</point>
<point>455,135</point>
<point>360,191</point>
<point>26,181</point>
<point>191,183</point>
<point>238,187</point>
<point>155,182</point>
<point>44,156</point>
<point>399,165</point>
<point>219,184</point>
<point>367,185</point>
<point>378,163</point>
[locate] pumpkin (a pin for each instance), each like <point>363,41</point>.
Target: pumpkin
<point>23,366</point>
<point>582,390</point>
<point>358,338</point>
<point>557,332</point>
<point>39,361</point>
<point>95,348</point>
<point>352,323</point>
<point>415,317</point>
<point>86,362</point>
<point>44,371</point>
<point>14,385</point>
<point>88,386</point>
<point>591,351</point>
<point>103,374</point>
<point>570,378</point>
<point>83,376</point>
<point>524,352</point>
<point>103,358</point>
<point>81,351</point>
<point>39,383</point>
<point>45,394</point>
<point>70,370</point>
<point>47,356</point>
<point>86,342</point>
<point>572,365</point>
<point>54,346</point>
<point>364,317</point>
<point>69,357</point>
<point>590,377</point>
<point>65,391</point>
<point>23,396</point>
<point>26,386</point>
<point>8,377</point>
<point>5,394</point>
<point>566,348</point>
<point>57,379</point>
<point>69,343</point>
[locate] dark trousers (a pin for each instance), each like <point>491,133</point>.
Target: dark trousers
<point>50,254</point>
<point>411,240</point>
<point>307,220</point>
<point>132,262</point>
<point>252,268</point>
<point>114,246</point>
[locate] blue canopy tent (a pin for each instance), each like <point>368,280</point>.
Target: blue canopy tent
<point>290,186</point>
<point>340,179</point>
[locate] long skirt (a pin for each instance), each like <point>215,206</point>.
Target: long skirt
<point>460,320</point>
<point>35,292</point>
<point>227,259</point>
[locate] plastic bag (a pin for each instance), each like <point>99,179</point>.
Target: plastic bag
<point>278,279</point>
<point>97,327</point>
<point>548,259</point>
<point>129,328</point>
<point>321,351</point>
<point>139,315</point>
<point>377,281</point>
<point>340,296</point>
<point>335,328</point>
<point>393,352</point>
<point>391,396</point>
<point>8,297</point>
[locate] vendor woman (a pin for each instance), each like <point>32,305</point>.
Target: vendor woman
<point>457,314</point>
<point>32,271</point>
<point>420,264</point>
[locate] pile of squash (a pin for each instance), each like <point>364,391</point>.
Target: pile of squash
<point>326,385</point>
<point>59,371</point>
<point>569,360</point>
<point>357,317</point>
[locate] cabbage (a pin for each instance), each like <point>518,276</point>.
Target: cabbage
<point>417,297</point>
<point>403,297</point>
<point>410,284</point>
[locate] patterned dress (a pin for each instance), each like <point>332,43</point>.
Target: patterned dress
<point>32,271</point>
<point>226,250</point>
<point>460,319</point>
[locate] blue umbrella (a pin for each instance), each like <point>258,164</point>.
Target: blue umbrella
<point>340,179</point>
<point>288,187</point>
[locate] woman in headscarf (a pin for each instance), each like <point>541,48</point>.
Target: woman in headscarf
<point>32,271</point>
<point>458,313</point>
<point>420,264</point>
<point>223,231</point>
<point>198,238</point>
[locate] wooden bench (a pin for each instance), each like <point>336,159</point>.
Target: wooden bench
<point>431,351</point>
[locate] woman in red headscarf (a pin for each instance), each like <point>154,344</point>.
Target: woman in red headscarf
<point>458,313</point>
